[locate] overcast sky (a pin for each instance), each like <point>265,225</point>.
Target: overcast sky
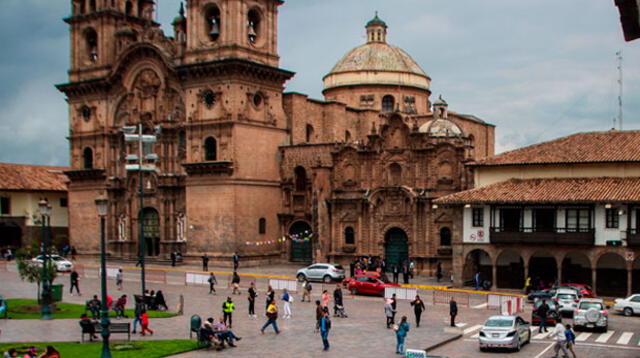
<point>537,69</point>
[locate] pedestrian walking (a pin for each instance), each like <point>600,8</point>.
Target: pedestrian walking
<point>287,299</point>
<point>235,282</point>
<point>478,280</point>
<point>394,305</point>
<point>173,259</point>
<point>453,311</point>
<point>325,298</point>
<point>205,262</point>
<point>319,314</point>
<point>119,278</point>
<point>388,313</point>
<point>527,285</point>
<point>338,305</point>
<point>405,273</point>
<point>306,290</point>
<point>439,272</point>
<point>561,343</point>
<point>74,277</point>
<point>418,308</point>
<point>352,267</point>
<point>251,297</point>
<point>73,253</point>
<point>137,312</point>
<point>325,327</point>
<point>270,296</point>
<point>394,270</point>
<point>571,339</point>
<point>227,311</point>
<point>212,283</point>
<point>272,317</point>
<point>236,261</point>
<point>542,312</point>
<point>145,323</point>
<point>401,334</point>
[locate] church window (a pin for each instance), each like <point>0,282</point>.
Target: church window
<point>410,104</point>
<point>86,113</point>
<point>92,5</point>
<point>445,236</point>
<point>128,8</point>
<point>210,149</point>
<point>209,98</point>
<point>388,103</point>
<point>366,100</point>
<point>301,179</point>
<point>309,134</point>
<point>253,26</point>
<point>395,171</point>
<point>213,26</point>
<point>257,99</point>
<point>349,236</point>
<point>5,206</point>
<point>81,7</point>
<point>262,226</point>
<point>87,155</point>
<point>91,39</point>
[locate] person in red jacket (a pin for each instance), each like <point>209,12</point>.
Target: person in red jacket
<point>145,324</point>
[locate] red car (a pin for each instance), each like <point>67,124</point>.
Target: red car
<point>368,285</point>
<point>584,291</point>
<point>380,276</point>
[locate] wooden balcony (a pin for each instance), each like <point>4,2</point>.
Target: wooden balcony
<point>633,238</point>
<point>531,236</point>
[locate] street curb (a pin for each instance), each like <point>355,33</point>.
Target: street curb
<point>442,343</point>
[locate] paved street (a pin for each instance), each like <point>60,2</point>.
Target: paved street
<point>363,334</point>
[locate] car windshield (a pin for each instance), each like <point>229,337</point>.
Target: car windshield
<point>339,267</point>
<point>550,303</point>
<point>566,296</point>
<point>588,305</point>
<point>58,258</point>
<point>499,323</point>
<point>384,278</point>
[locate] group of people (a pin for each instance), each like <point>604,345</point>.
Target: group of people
<point>32,352</point>
<point>176,256</point>
<point>368,263</point>
<point>218,333</point>
<point>6,253</point>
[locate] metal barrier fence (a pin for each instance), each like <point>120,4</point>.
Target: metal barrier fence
<point>196,278</point>
<point>443,297</point>
<point>401,293</point>
<point>506,304</point>
<point>290,285</point>
<point>155,276</point>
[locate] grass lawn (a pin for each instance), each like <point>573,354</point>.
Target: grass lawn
<point>29,309</point>
<point>146,349</point>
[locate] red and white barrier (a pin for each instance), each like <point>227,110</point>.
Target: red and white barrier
<point>508,305</point>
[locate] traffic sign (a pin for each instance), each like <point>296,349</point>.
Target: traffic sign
<point>629,255</point>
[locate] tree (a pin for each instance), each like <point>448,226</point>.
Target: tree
<point>32,271</point>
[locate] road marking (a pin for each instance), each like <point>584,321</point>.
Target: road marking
<point>460,325</point>
<point>544,351</point>
<point>541,335</point>
<point>482,305</point>
<point>625,338</point>
<point>477,335</point>
<point>471,329</point>
<point>583,336</point>
<point>605,337</point>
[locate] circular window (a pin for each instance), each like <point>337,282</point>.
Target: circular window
<point>257,100</point>
<point>209,98</point>
<point>86,113</point>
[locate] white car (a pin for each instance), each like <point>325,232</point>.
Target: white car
<point>628,306</point>
<point>591,313</point>
<point>61,264</point>
<point>321,272</point>
<point>504,332</point>
<point>566,299</point>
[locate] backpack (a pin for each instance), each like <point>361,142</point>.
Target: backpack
<point>327,323</point>
<point>308,286</point>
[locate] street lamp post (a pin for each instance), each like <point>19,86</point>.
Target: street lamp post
<point>141,162</point>
<point>45,212</point>
<point>102,204</point>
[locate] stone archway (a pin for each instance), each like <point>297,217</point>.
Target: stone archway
<point>611,275</point>
<point>543,269</point>
<point>10,236</point>
<point>301,250</point>
<point>477,260</point>
<point>509,270</point>
<point>396,248</point>
<point>576,268</point>
<point>151,225</point>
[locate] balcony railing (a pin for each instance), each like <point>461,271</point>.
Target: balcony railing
<point>535,236</point>
<point>633,238</point>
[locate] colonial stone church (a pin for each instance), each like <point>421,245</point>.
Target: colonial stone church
<point>241,163</point>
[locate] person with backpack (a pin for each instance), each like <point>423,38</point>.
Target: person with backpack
<point>227,310</point>
<point>272,316</point>
<point>138,310</point>
<point>235,282</point>
<point>306,290</point>
<point>287,298</point>
<point>325,327</point>
<point>571,339</point>
<point>401,334</point>
<point>212,283</point>
<point>252,294</point>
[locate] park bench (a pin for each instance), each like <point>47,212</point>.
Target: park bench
<point>113,328</point>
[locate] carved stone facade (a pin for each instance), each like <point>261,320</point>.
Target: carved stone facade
<point>239,161</point>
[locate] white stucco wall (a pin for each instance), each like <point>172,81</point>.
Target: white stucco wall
<point>475,235</point>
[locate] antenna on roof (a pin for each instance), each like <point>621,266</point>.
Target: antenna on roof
<point>619,58</point>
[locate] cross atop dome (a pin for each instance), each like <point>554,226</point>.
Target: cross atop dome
<point>376,30</point>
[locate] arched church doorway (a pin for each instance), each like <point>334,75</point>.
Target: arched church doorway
<point>477,261</point>
<point>396,249</point>
<point>151,226</point>
<point>301,249</point>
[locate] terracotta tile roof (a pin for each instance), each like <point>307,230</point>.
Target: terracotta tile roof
<point>590,147</point>
<point>32,177</point>
<point>552,190</point>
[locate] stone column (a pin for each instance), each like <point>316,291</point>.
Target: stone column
<point>559,278</point>
<point>494,276</point>
<point>629,277</point>
<point>593,281</point>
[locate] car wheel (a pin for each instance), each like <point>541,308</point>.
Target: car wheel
<point>327,279</point>
<point>529,337</point>
<point>301,277</point>
<point>519,345</point>
<point>605,329</point>
<point>627,311</point>
<point>483,349</point>
<point>354,291</point>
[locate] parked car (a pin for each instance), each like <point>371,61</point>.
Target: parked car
<point>591,313</point>
<point>377,275</point>
<point>365,284</point>
<point>566,299</point>
<point>584,291</point>
<point>552,315</point>
<point>628,306</point>
<point>547,293</point>
<point>504,332</point>
<point>321,272</point>
<point>61,264</point>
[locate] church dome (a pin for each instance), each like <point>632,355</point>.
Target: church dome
<point>377,63</point>
<point>441,128</point>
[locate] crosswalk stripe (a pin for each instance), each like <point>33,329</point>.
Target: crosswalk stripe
<point>583,336</point>
<point>477,335</point>
<point>625,338</point>
<point>471,329</point>
<point>541,335</point>
<point>482,305</point>
<point>460,325</point>
<point>605,337</point>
